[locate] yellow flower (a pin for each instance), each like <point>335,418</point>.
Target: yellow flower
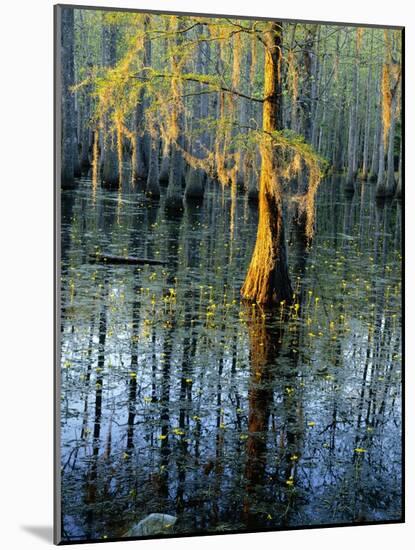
<point>290,481</point>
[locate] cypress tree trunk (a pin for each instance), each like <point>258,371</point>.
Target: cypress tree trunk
<point>353,135</point>
<point>334,116</point>
<point>140,168</point>
<point>165,163</point>
<point>365,167</point>
<point>374,166</point>
<point>253,180</point>
<point>142,140</point>
<point>86,130</point>
<point>316,86</point>
<point>153,188</point>
<point>308,100</point>
<point>267,280</point>
<point>244,117</point>
<point>386,183</point>
<point>86,139</point>
<point>381,166</point>
<point>77,139</point>
<point>110,169</point>
<point>338,144</point>
<point>252,187</point>
<point>166,150</point>
<point>390,175</point>
<point>399,186</point>
<point>309,86</point>
<point>195,177</point>
<point>195,187</point>
<point>68,100</point>
<point>174,195</point>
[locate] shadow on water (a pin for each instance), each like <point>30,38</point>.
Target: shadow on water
<point>178,398</point>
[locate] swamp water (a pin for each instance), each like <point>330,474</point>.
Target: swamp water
<point>176,398</point>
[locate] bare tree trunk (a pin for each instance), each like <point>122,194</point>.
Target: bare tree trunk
<point>165,163</point>
<point>174,195</point>
<point>338,142</point>
<point>86,133</point>
<point>386,180</point>
<point>142,140</point>
<point>316,87</point>
<point>110,169</point>
<point>381,165</point>
<point>399,186</point>
<point>195,178</point>
<point>153,187</point>
<point>390,175</point>
<point>309,86</point>
<point>374,166</point>
<point>365,167</point>
<point>352,145</point>
<point>68,101</point>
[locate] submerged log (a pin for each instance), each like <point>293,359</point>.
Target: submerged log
<point>127,260</point>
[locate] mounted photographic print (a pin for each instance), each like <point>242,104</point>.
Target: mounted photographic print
<point>228,274</point>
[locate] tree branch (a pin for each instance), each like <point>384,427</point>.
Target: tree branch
<point>193,78</point>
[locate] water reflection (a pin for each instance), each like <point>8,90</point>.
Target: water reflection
<point>177,398</point>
